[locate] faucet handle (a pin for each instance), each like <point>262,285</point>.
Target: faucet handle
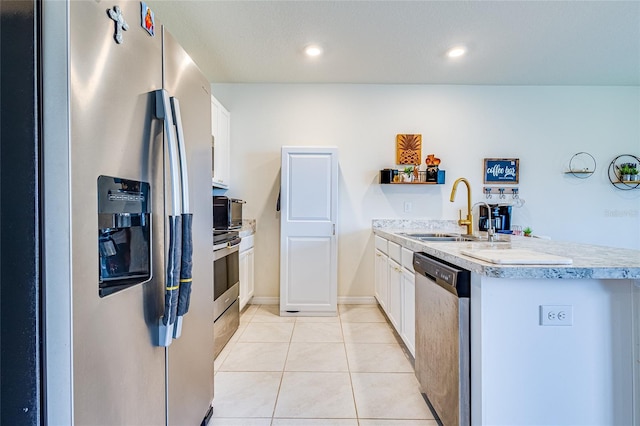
<point>491,234</point>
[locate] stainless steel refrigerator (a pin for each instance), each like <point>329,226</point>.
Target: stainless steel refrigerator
<point>115,168</point>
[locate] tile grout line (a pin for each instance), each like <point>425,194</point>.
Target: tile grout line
<point>353,392</point>
<point>284,366</point>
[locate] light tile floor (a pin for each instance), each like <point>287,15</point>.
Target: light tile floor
<point>347,370</point>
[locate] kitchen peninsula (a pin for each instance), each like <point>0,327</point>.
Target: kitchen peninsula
<point>524,372</point>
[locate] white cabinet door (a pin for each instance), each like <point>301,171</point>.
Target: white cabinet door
<point>308,241</point>
<point>250,274</point>
<point>245,263</point>
<point>221,135</point>
<point>381,278</point>
<point>224,160</point>
<point>215,113</point>
<point>394,306</point>
<point>243,275</point>
<point>408,333</point>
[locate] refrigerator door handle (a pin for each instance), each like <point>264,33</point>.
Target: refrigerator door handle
<point>177,119</point>
<point>163,112</point>
<point>172,280</point>
<point>186,278</point>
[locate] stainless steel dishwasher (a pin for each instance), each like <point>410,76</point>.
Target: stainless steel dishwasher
<point>442,359</point>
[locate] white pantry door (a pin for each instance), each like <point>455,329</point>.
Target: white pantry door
<point>308,240</point>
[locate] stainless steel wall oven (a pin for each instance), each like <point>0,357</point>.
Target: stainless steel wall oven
<point>226,287</point>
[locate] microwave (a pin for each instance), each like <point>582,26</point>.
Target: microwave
<point>227,212</point>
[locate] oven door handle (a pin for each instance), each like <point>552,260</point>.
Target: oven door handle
<point>226,251</point>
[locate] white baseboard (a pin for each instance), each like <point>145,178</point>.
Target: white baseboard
<point>357,300</point>
<point>264,300</point>
<point>343,300</point>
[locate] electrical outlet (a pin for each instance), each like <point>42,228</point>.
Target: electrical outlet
<point>407,206</point>
<point>556,314</point>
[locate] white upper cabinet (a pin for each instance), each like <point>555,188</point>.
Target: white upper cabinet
<point>221,144</point>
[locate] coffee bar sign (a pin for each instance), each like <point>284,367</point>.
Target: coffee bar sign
<point>501,170</point>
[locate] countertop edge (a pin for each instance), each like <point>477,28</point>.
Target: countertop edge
<point>248,228</point>
<point>449,252</point>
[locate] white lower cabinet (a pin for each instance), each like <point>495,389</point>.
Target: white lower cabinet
<point>394,304</point>
<point>408,333</point>
<point>381,278</point>
<point>395,288</point>
<point>246,271</point>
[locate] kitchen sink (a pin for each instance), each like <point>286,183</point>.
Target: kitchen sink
<point>435,236</point>
<point>449,237</point>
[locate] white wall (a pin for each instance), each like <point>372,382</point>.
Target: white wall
<point>542,126</point>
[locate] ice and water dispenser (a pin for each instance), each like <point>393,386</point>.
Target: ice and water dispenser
<point>124,234</point>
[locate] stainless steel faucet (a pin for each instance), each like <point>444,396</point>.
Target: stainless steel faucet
<point>491,231</point>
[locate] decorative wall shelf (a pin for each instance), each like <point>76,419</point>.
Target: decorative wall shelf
<point>614,172</point>
<point>578,172</point>
<point>581,165</point>
<point>387,177</point>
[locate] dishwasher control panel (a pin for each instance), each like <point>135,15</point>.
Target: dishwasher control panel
<point>443,273</point>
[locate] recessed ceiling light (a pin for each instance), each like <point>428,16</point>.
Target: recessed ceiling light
<point>456,52</point>
<point>313,50</point>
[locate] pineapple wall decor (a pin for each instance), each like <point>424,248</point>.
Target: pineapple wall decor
<point>408,149</point>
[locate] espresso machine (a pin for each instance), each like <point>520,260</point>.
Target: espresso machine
<point>500,218</point>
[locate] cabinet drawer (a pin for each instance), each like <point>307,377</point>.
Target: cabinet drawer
<point>394,251</point>
<point>407,259</point>
<point>381,244</point>
<point>246,243</point>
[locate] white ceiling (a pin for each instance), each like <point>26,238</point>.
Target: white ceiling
<point>509,42</point>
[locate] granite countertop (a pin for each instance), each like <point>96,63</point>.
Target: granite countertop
<point>589,261</point>
<point>248,228</point>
